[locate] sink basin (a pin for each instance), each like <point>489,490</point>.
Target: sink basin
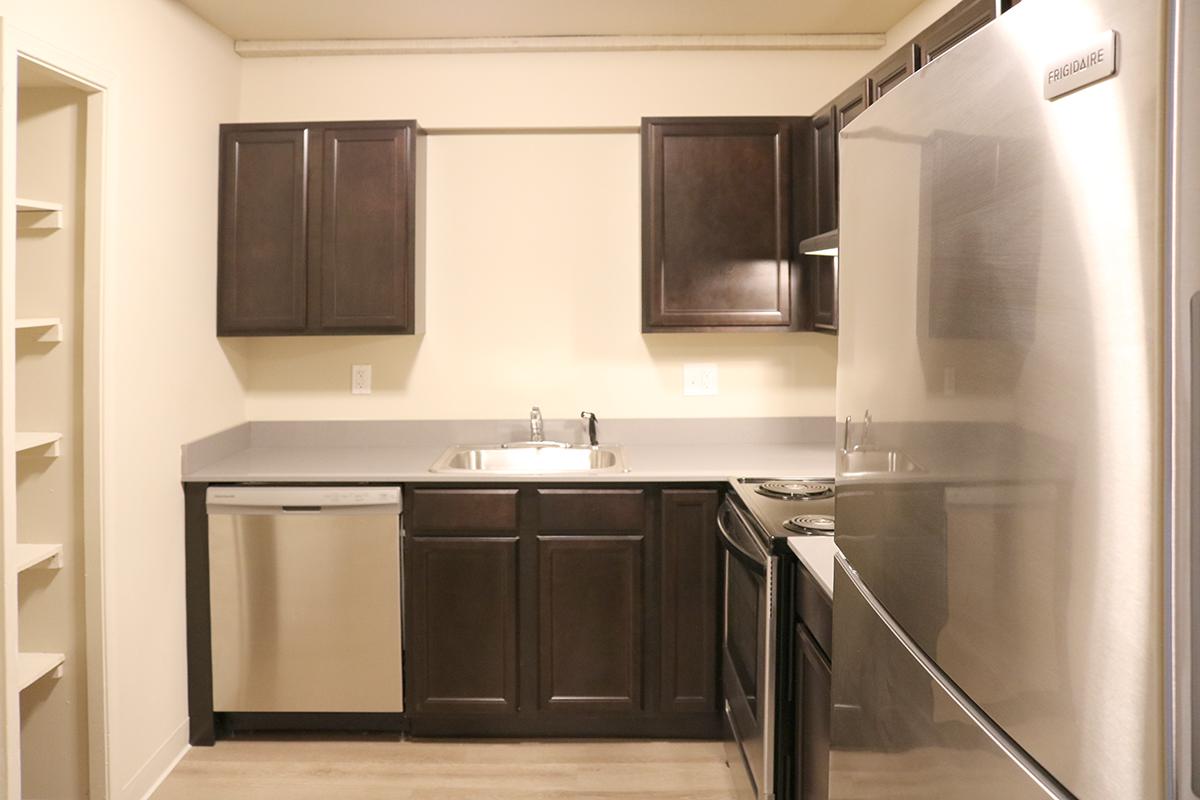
<point>548,459</point>
<point>861,463</point>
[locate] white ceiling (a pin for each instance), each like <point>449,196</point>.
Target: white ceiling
<point>403,19</point>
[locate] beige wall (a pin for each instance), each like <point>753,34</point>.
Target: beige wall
<point>533,241</point>
<point>168,380</point>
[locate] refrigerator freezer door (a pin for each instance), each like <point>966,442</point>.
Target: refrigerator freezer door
<point>1001,319</point>
<point>898,729</point>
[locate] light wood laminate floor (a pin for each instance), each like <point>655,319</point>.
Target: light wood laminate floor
<point>442,770</point>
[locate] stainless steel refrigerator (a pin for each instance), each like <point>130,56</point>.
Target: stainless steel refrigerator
<point>1019,254</point>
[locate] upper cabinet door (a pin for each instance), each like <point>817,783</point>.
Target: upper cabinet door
<point>825,176</point>
<point>365,280</point>
<point>262,254</point>
<point>957,24</point>
<point>851,103</point>
<point>891,73</point>
<point>717,223</point>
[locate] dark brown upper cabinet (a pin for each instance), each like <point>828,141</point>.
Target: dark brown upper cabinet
<point>891,73</point>
<point>824,170</point>
<point>719,223</point>
<point>262,276</point>
<point>955,25</point>
<point>318,230</point>
<point>850,103</point>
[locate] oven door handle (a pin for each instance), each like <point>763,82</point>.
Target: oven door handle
<point>756,563</point>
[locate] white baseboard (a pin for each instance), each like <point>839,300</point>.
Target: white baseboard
<point>157,767</point>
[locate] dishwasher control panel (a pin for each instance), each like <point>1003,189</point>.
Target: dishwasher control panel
<point>281,499</point>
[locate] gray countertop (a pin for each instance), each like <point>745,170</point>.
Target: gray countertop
<point>655,451</point>
<point>816,553</point>
<point>648,462</point>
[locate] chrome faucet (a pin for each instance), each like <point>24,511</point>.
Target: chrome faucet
<point>864,440</point>
<point>591,427</point>
<point>535,425</point>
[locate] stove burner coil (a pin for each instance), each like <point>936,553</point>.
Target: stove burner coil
<point>820,524</point>
<point>796,490</point>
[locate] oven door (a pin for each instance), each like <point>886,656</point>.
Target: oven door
<point>748,674</point>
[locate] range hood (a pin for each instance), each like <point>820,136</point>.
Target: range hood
<point>823,244</point>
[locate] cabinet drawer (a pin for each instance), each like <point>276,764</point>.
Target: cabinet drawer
<point>463,510</point>
<point>814,608</point>
<point>592,509</point>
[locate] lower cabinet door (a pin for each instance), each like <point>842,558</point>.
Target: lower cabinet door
<point>590,628</point>
<point>462,624</point>
<point>691,602</point>
<point>814,700</point>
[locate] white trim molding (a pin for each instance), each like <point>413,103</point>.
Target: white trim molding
<point>284,48</point>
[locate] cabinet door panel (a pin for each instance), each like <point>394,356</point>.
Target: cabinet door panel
<point>457,510</point>
<point>814,701</point>
<point>607,510</point>
<point>590,601</point>
<point>263,260</point>
<point>956,25</point>
<point>717,224</point>
<point>891,73</point>
<point>690,600</point>
<point>824,133</point>
<point>851,103</point>
<point>366,275</point>
<point>462,625</point>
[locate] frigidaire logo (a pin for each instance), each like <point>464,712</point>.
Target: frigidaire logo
<point>1092,59</point>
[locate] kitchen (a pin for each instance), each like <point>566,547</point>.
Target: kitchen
<point>537,311</point>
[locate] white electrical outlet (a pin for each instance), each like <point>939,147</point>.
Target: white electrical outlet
<point>360,379</point>
<point>699,379</point>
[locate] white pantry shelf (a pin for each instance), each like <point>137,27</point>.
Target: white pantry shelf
<point>39,214</point>
<point>28,440</point>
<point>44,556</point>
<point>32,667</point>
<point>50,327</point>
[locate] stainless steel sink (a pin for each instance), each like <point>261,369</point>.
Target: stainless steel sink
<point>531,458</point>
<point>864,463</point>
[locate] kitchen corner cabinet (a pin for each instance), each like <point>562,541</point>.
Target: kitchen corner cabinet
<point>562,611</point>
<point>318,229</point>
<point>721,210</point>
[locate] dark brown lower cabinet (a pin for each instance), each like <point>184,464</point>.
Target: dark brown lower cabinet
<point>562,611</point>
<point>462,634</point>
<point>690,618</point>
<point>814,695</point>
<point>591,603</point>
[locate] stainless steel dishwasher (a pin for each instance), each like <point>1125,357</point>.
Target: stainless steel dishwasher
<point>305,597</point>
